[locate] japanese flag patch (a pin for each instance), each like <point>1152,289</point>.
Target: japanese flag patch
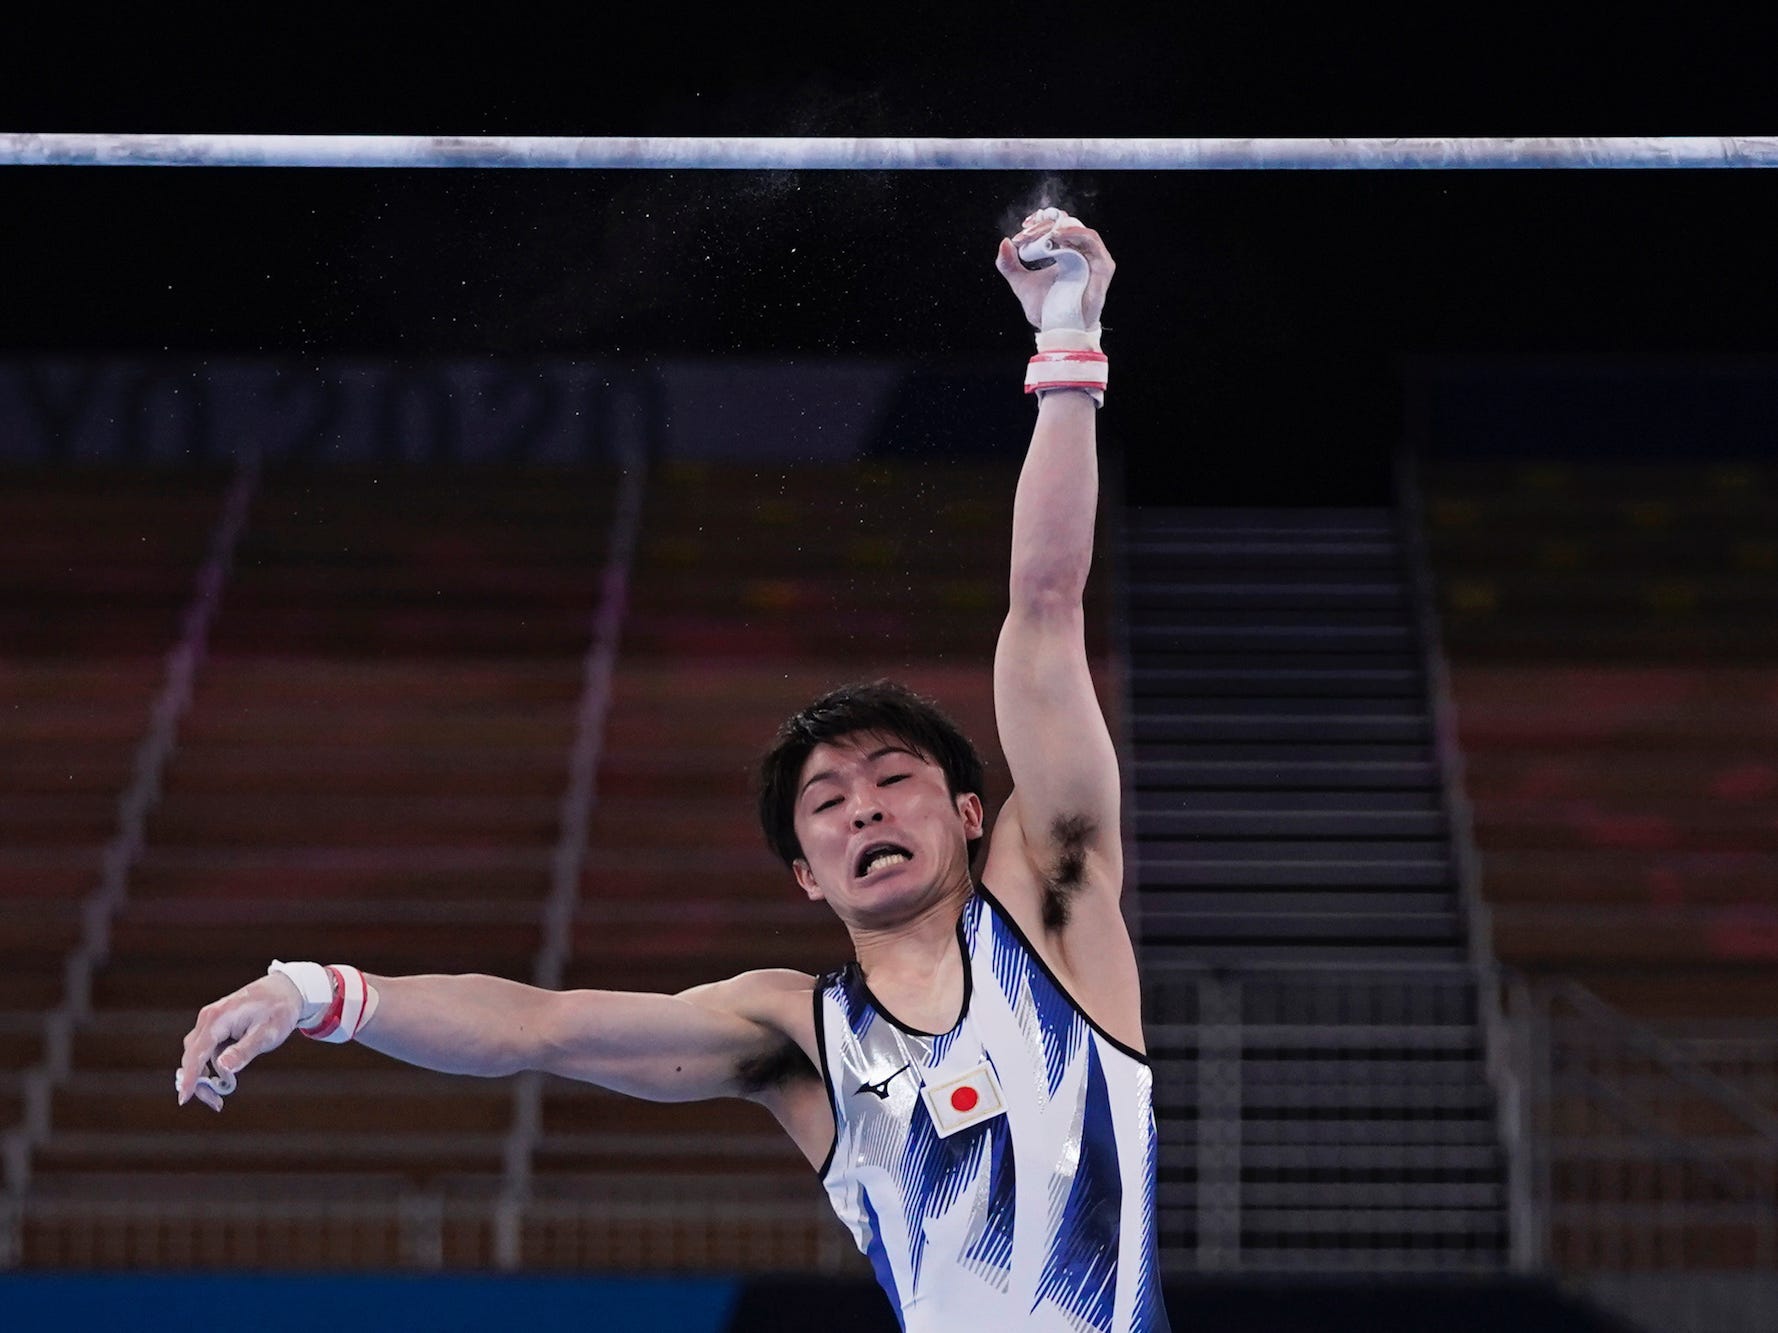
<point>963,1101</point>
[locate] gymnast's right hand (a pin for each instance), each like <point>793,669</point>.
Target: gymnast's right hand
<point>229,1032</point>
<point>1034,287</point>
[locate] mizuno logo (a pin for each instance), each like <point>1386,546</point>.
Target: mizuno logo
<point>881,1090</point>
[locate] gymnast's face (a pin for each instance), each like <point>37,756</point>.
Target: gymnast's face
<point>880,831</point>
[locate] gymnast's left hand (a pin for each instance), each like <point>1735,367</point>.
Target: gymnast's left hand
<point>231,1031</point>
<point>1030,285</point>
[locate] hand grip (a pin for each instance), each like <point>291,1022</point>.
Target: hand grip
<point>1062,302</point>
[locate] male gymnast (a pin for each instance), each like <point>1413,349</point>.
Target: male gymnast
<point>972,1089</point>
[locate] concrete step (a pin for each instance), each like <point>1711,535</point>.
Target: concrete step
<point>420,1155</point>
<point>1151,594</point>
<point>1164,925</point>
<point>1286,1160</point>
<point>1401,1130</point>
<point>1247,955</point>
<point>1322,682</point>
<point>1166,656</point>
<point>1169,769</point>
<point>1284,1227</point>
<point>348,725</point>
<point>372,769</point>
<point>1156,555</point>
<point>1274,640</point>
<point>1366,1199</point>
<point>1212,801</point>
<point>1157,827</point>
<point>1346,520</point>
<point>1294,1075</point>
<point>289,819</point>
<point>1273,851</point>
<point>1183,1041</point>
<point>1310,757</point>
<point>1267,870</point>
<point>1295,704</point>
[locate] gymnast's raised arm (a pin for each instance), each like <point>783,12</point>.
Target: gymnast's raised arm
<point>1057,851</point>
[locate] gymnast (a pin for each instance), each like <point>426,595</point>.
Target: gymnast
<point>972,1088</point>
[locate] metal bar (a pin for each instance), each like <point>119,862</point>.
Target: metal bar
<point>913,154</point>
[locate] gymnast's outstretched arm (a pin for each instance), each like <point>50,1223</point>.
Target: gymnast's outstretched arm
<point>720,1040</point>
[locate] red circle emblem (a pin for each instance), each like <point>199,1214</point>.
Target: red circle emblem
<point>964,1099</point>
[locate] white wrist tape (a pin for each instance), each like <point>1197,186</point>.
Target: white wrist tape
<point>1068,359</point>
<point>337,999</point>
<point>313,982</point>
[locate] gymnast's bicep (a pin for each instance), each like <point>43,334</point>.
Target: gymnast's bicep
<point>712,1041</point>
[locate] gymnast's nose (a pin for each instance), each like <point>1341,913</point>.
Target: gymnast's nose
<point>874,817</point>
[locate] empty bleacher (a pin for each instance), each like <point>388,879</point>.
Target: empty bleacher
<point>1615,675</point>
<point>1614,641</point>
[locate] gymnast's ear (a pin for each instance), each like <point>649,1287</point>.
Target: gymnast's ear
<point>805,879</point>
<point>969,808</point>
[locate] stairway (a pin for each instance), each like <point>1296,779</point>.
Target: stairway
<point>1313,1010</point>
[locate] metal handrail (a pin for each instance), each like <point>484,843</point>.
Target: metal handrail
<point>1503,1070</point>
<point>578,798</point>
<point>1647,1042</point>
<point>102,904</point>
<point>1539,1002</point>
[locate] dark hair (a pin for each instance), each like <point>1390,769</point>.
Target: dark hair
<point>880,706</point>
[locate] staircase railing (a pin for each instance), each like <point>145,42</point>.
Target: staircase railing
<point>1644,1158</point>
<point>630,446</point>
<point>1502,1064</point>
<point>124,850</point>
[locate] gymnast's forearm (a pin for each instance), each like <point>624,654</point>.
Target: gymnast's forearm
<point>470,1024</point>
<point>1056,503</point>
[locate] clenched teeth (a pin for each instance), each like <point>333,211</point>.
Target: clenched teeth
<point>882,859</point>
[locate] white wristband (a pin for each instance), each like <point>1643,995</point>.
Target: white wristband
<point>350,1002</point>
<point>313,982</point>
<point>1068,359</point>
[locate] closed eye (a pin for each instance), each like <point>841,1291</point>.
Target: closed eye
<point>894,777</point>
<point>827,804</point>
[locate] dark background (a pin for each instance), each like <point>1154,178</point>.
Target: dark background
<point>1260,322</point>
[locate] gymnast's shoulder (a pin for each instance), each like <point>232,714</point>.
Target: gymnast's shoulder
<point>780,998</point>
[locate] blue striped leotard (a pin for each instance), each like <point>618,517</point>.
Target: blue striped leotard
<point>1000,1175</point>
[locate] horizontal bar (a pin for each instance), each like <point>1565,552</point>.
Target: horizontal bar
<point>826,154</point>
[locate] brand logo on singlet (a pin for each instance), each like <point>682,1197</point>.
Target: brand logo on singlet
<point>880,1090</point>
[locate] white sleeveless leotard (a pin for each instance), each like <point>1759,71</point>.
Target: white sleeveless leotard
<point>1001,1175</point>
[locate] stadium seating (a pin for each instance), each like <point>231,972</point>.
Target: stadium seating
<point>1613,633</point>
